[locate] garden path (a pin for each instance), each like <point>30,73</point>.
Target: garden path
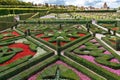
<point>99,36</point>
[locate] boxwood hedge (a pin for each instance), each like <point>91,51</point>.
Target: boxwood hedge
<point>34,69</point>
<point>17,69</point>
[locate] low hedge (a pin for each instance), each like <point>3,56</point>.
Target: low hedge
<point>38,67</point>
<point>98,54</point>
<point>5,56</point>
<point>104,59</point>
<point>101,71</point>
<point>33,46</point>
<point>10,41</point>
<point>49,21</point>
<point>15,63</point>
<point>46,43</point>
<point>5,25</point>
<point>107,21</point>
<point>40,45</point>
<point>90,74</point>
<point>65,73</point>
<point>19,68</point>
<point>107,48</point>
<point>76,41</point>
<point>108,42</point>
<point>6,43</point>
<point>36,15</point>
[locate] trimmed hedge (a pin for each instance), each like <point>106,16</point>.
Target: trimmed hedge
<point>5,56</point>
<point>6,25</point>
<point>34,69</point>
<point>90,74</point>
<point>107,21</point>
<point>108,42</point>
<point>8,20</point>
<point>105,61</point>
<point>65,72</point>
<point>35,42</point>
<point>107,48</point>
<point>6,11</point>
<point>10,41</point>
<point>101,71</point>
<point>15,70</point>
<point>15,63</point>
<point>47,43</point>
<point>76,41</point>
<point>49,21</point>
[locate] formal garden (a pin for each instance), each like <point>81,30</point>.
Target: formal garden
<point>45,44</point>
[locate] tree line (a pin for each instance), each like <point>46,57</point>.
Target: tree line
<point>14,2</point>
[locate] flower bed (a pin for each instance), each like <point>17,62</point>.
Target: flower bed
<point>79,76</point>
<point>25,52</point>
<point>27,48</point>
<point>8,34</point>
<point>99,56</point>
<point>112,41</point>
<point>64,40</point>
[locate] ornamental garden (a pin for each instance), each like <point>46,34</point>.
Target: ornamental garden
<point>59,45</point>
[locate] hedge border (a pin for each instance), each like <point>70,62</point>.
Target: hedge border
<point>101,71</point>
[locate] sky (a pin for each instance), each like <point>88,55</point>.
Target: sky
<point>95,3</point>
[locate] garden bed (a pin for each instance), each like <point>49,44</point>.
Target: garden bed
<point>65,72</point>
<point>8,34</point>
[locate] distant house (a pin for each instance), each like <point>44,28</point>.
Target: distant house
<point>105,6</point>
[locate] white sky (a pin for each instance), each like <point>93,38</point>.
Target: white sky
<point>95,3</point>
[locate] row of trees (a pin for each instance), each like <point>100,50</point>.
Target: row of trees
<point>14,2</point>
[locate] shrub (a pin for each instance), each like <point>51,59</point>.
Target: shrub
<point>15,63</point>
<point>30,71</point>
<point>81,69</point>
<point>15,70</point>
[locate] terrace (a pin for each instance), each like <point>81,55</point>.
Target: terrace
<point>33,48</point>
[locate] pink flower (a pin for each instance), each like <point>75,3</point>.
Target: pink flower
<point>114,60</point>
<point>83,46</point>
<point>107,52</point>
<point>81,75</point>
<point>91,59</point>
<point>93,40</point>
<point>102,48</point>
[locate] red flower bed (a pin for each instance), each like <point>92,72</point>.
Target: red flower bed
<point>72,39</point>
<point>15,33</point>
<point>4,32</point>
<point>61,43</point>
<point>26,51</point>
<point>46,39</point>
<point>39,35</point>
<point>113,42</point>
<point>55,43</point>
<point>115,29</point>
<point>81,34</point>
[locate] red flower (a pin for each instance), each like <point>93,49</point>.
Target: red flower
<point>81,34</point>
<point>39,35</point>
<point>26,51</point>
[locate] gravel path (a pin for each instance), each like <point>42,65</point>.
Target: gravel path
<point>99,36</point>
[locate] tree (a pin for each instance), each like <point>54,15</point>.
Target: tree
<point>46,5</point>
<point>13,2</point>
